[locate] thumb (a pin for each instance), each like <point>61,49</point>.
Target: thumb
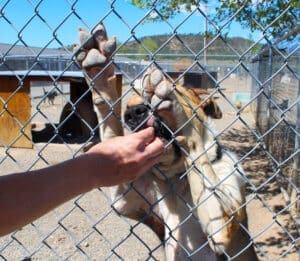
<point>146,135</point>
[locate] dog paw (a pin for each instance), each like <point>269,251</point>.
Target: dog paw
<point>94,52</point>
<point>156,88</point>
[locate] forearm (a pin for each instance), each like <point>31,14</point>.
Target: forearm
<point>27,196</point>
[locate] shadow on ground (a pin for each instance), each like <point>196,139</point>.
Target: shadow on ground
<point>256,164</point>
<point>55,133</point>
<point>264,185</point>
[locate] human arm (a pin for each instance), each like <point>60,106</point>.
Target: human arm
<point>25,197</point>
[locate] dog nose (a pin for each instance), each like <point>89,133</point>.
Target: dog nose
<point>136,115</point>
<point>135,111</point>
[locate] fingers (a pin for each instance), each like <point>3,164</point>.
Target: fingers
<point>146,135</point>
<point>155,148</point>
<point>151,145</point>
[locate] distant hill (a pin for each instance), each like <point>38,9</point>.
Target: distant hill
<point>181,44</point>
<point>190,43</point>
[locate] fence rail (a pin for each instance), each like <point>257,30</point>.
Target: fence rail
<point>257,89</point>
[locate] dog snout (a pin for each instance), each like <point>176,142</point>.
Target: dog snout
<point>136,117</point>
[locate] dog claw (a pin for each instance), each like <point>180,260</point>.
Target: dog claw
<point>99,34</point>
<point>85,38</point>
<point>163,89</point>
<point>155,101</point>
<point>165,105</point>
<point>109,47</point>
<point>95,48</point>
<point>147,86</point>
<point>79,53</point>
<point>156,77</point>
<point>147,96</point>
<point>155,86</point>
<point>181,140</point>
<point>81,56</point>
<point>94,58</point>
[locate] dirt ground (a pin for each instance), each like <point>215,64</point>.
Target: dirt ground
<point>88,228</point>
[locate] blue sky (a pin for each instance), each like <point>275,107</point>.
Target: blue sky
<point>58,16</point>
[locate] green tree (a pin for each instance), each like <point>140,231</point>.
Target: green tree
<point>150,44</point>
<point>277,18</point>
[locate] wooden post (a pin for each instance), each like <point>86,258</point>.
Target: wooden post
<point>119,84</point>
<point>15,112</point>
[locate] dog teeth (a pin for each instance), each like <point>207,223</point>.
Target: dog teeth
<point>93,58</point>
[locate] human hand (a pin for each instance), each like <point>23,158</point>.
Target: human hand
<point>123,159</point>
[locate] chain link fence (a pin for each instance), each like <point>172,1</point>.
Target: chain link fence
<point>277,114</point>
<point>44,101</point>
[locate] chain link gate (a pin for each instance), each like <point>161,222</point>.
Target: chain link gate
<point>260,124</point>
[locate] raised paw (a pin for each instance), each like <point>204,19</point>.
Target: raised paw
<point>95,50</point>
<point>157,88</point>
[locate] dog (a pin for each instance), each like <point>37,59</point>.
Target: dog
<point>50,96</point>
<point>194,198</point>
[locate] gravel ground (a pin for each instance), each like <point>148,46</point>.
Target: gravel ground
<point>87,227</point>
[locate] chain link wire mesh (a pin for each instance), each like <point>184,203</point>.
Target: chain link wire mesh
<point>258,88</point>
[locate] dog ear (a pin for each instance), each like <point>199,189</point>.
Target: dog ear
<point>208,103</point>
<point>212,109</point>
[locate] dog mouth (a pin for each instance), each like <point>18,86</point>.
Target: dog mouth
<point>139,117</point>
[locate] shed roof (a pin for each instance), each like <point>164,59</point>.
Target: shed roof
<point>21,50</point>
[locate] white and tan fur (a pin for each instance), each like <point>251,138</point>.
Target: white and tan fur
<point>193,202</point>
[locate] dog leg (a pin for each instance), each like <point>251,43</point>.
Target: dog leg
<point>214,206</point>
<point>202,178</point>
<point>219,205</point>
<point>232,191</point>
<point>217,209</point>
<point>94,57</point>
